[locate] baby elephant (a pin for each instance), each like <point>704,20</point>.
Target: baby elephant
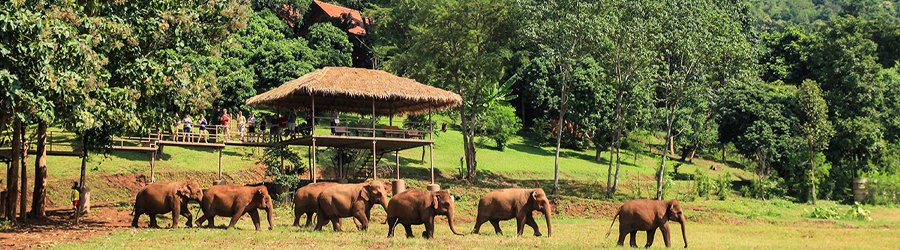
<point>648,215</point>
<point>505,204</point>
<point>416,207</point>
<point>235,201</point>
<point>164,197</point>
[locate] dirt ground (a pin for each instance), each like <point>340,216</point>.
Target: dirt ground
<point>58,227</point>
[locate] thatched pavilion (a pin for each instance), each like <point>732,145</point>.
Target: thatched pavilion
<point>365,92</point>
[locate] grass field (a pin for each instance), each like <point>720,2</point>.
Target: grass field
<point>583,213</point>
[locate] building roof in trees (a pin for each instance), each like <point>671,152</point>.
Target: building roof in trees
<point>319,8</point>
<point>357,90</point>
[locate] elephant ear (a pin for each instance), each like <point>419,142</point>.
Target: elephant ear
<point>364,193</point>
<point>434,201</point>
<point>184,191</point>
<point>534,195</point>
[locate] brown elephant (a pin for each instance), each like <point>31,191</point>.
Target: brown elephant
<point>346,200</point>
<point>235,201</point>
<point>166,196</point>
<point>306,201</point>
<point>505,204</point>
<point>648,215</point>
<point>416,207</point>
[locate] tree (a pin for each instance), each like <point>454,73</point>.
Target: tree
<point>628,58</point>
<point>456,45</point>
<point>700,44</point>
<point>564,30</point>
<point>816,128</point>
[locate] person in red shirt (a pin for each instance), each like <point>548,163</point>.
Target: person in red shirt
<point>225,118</point>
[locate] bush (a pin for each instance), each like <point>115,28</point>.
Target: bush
<point>858,212</point>
<point>883,189</point>
<point>704,186</point>
<point>764,189</point>
<point>822,212</point>
<point>501,124</point>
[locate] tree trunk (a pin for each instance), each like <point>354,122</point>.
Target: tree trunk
<point>598,153</point>
<point>812,170</point>
<point>618,166</point>
<point>559,128</point>
<point>662,166</point>
<point>468,149</point>
<point>84,155</point>
<point>613,183</point>
<point>671,142</point>
<point>12,189</point>
<point>693,152</point>
<point>724,154</point>
<point>39,196</point>
<point>23,188</point>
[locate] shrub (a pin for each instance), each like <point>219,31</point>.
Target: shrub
<point>822,212</point>
<point>858,212</point>
<point>883,189</point>
<point>764,189</point>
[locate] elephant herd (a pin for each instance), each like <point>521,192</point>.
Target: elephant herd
<point>330,202</point>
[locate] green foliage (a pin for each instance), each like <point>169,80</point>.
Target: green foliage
<point>822,212</point>
<point>501,123</point>
<point>768,188</point>
<point>857,212</point>
<point>284,164</point>
<point>331,43</point>
<point>704,186</point>
<point>883,189</point>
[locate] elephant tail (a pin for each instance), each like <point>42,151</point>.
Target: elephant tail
<point>613,222</point>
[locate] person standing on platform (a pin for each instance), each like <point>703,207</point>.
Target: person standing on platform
<point>203,131</point>
<point>242,124</point>
<point>187,128</point>
<point>251,127</point>
<point>225,119</point>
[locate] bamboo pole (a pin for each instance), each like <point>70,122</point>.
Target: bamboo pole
<point>431,145</point>
<point>314,160</point>
<point>220,165</point>
<point>152,167</point>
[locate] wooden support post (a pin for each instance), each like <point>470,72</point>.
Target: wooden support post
<point>374,162</point>
<point>314,160</point>
<point>431,160</point>
<point>397,154</point>
<point>340,163</point>
<point>313,120</point>
<point>220,165</point>
<point>152,167</point>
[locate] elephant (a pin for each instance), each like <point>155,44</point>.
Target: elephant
<point>505,204</point>
<point>346,200</point>
<point>416,207</point>
<point>234,201</point>
<point>648,215</point>
<point>166,196</point>
<point>306,201</point>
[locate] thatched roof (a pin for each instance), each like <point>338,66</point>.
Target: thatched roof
<point>353,90</point>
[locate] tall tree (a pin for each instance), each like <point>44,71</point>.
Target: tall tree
<point>565,31</point>
<point>629,59</point>
<point>814,122</point>
<point>693,38</point>
<point>456,45</point>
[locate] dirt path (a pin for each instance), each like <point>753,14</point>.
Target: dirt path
<point>57,227</point>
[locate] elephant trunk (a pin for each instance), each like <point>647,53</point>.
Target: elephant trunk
<point>684,236</point>
<point>450,222</point>
<point>547,212</point>
<point>269,212</point>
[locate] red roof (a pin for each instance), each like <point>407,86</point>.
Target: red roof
<point>337,12</point>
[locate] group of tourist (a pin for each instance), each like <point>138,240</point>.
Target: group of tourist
<point>250,128</point>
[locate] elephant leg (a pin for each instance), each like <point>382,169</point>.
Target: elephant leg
<point>297,215</point>
<point>254,215</point>
<point>633,240</point>
<point>530,221</point>
<point>309,218</point>
<point>650,235</point>
<point>363,219</point>
<point>478,221</point>
<point>622,235</point>
<point>176,212</point>
<point>496,224</point>
<point>429,228</point>
<point>336,224</point>
<point>153,221</point>
<point>408,228</point>
<point>321,221</point>
<point>187,214</point>
<point>137,215</point>
<point>212,221</point>
<point>234,218</point>
<point>392,222</point>
<point>665,233</point>
<point>520,224</point>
